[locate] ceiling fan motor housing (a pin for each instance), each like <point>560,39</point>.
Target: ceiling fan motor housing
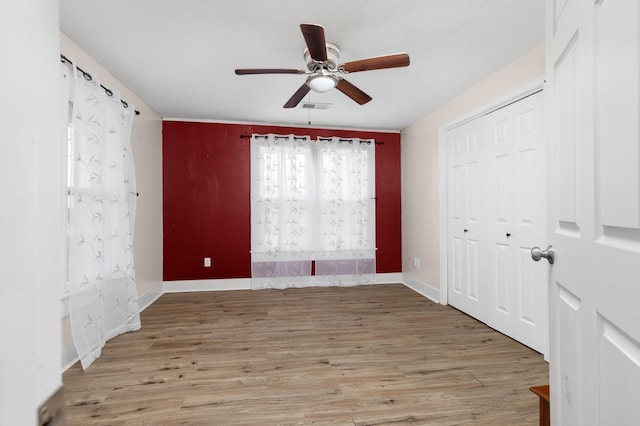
<point>331,64</point>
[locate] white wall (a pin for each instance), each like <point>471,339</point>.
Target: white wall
<point>146,140</point>
<point>31,206</point>
<point>420,170</point>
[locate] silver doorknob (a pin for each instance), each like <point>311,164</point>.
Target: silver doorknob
<point>537,254</point>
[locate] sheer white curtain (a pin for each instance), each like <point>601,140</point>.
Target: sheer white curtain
<point>282,208</point>
<point>312,201</point>
<point>345,184</point>
<point>101,285</point>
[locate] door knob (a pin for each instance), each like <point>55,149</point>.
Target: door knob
<point>537,254</point>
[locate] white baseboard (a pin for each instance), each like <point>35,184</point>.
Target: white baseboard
<point>389,278</point>
<point>69,355</point>
<point>207,285</point>
<point>145,300</point>
<point>422,288</point>
<point>245,283</point>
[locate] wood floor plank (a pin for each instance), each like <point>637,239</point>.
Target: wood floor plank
<point>368,355</point>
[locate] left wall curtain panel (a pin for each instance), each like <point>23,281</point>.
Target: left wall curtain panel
<point>282,206</point>
<point>101,203</point>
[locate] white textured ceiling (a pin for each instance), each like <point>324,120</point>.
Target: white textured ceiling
<point>179,56</point>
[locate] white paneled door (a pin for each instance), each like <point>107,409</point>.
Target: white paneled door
<point>466,229</point>
<point>516,222</point>
<point>593,75</point>
<point>496,206</point>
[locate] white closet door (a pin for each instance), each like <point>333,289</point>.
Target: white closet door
<point>496,207</point>
<point>465,211</point>
<point>516,212</point>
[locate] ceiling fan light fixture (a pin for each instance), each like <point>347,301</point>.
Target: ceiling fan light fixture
<point>322,82</point>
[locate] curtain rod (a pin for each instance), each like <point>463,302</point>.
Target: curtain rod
<point>350,140</point>
<point>319,138</point>
<point>275,136</point>
<point>88,77</point>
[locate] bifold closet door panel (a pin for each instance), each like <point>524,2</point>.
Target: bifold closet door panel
<point>516,217</point>
<point>466,232</point>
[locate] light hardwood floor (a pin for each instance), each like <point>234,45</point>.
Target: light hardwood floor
<point>369,355</point>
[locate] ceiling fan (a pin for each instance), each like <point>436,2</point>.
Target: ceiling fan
<point>323,68</point>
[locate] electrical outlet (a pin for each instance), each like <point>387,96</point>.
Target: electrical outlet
<point>207,262</point>
<point>416,262</point>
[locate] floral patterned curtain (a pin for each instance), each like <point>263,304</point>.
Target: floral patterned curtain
<point>345,184</point>
<point>103,300</point>
<point>282,207</point>
<point>312,203</point>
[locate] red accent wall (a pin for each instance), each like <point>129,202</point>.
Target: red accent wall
<point>206,197</point>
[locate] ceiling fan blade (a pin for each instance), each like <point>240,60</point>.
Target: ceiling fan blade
<point>297,97</point>
<point>381,62</point>
<point>314,37</point>
<point>353,92</point>
<point>247,71</point>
